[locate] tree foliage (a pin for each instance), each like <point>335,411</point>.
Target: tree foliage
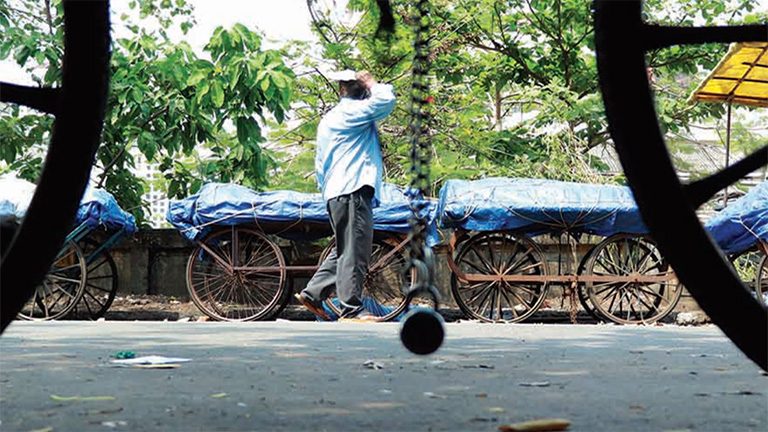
<point>165,100</point>
<point>514,82</point>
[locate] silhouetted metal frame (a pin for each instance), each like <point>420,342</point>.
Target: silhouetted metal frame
<point>667,206</point>
<point>79,106</point>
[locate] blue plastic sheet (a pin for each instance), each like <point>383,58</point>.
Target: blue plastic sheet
<point>371,305</point>
<point>283,212</point>
<point>15,195</point>
<point>97,208</point>
<point>740,225</point>
<point>538,206</point>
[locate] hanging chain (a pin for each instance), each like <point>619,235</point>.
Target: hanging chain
<point>421,257</point>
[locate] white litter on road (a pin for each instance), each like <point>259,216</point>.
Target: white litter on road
<point>152,360</point>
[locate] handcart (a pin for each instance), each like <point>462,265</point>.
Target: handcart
<point>741,231</point>
<point>83,279</point>
<point>500,272</point>
<point>239,272</point>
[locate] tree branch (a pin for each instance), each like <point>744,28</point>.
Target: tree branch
<point>114,160</point>
<point>48,17</point>
<point>319,25</point>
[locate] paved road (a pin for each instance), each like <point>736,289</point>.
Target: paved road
<point>306,376</point>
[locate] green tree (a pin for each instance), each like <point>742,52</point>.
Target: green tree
<point>200,117</point>
<point>514,81</point>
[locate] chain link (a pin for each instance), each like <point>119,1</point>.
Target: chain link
<point>421,256</point>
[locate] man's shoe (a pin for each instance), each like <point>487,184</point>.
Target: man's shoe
<point>362,316</point>
<point>316,309</point>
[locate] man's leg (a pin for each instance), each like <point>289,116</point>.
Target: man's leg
<point>354,242</point>
<point>322,282</point>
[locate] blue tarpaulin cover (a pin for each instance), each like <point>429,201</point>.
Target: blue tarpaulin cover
<point>15,195</point>
<point>226,204</point>
<point>740,225</point>
<point>97,208</point>
<point>538,206</point>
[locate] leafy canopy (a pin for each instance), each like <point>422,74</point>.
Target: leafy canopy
<point>197,117</point>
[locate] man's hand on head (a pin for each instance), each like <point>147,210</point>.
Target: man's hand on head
<point>366,78</point>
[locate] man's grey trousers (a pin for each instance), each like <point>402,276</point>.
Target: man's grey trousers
<point>347,264</point>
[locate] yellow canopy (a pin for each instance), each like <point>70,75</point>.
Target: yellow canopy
<point>741,77</point>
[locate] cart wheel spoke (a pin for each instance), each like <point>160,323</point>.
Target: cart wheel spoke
<point>101,281</point>
<point>61,289</point>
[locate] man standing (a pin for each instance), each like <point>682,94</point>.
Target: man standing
<point>349,167</point>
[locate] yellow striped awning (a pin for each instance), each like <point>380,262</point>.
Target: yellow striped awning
<point>741,77</point>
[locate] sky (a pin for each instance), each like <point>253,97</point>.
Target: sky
<point>278,20</point>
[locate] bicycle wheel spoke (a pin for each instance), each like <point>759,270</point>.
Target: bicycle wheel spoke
<point>699,192</point>
<point>44,99</point>
<point>655,36</point>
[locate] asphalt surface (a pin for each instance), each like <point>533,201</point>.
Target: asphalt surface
<point>308,376</point>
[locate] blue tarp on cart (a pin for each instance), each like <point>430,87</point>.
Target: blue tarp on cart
<point>222,204</point>
<point>15,195</point>
<point>538,206</point>
<point>97,208</point>
<point>740,225</point>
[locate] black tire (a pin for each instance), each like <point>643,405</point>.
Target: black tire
<point>669,207</point>
<point>79,107</point>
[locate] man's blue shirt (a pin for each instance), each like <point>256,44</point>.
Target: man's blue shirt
<point>348,152</point>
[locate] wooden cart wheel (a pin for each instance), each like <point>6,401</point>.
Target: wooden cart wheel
<point>631,302</point>
<point>61,289</point>
<point>101,282</point>
<point>79,106</point>
<point>496,254</point>
<point>582,291</point>
<point>748,266</point>
<point>761,281</point>
<point>385,280</point>
<point>237,274</point>
<point>669,207</point>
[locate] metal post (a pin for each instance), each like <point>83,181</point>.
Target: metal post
<point>727,151</point>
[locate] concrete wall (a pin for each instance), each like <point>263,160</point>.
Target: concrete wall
<point>154,262</point>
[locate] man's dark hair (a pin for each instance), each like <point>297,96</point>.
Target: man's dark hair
<point>353,89</point>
